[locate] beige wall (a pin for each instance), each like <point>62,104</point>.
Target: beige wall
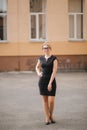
<point>12,20</point>
<point>57,30</point>
<point>85,20</point>
<point>57,20</point>
<point>28,49</point>
<point>18,20</point>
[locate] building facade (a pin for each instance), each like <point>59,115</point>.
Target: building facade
<point>26,24</point>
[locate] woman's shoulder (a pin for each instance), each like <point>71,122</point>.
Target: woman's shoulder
<point>54,57</point>
<point>41,57</point>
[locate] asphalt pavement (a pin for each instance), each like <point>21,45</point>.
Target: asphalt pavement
<point>21,104</point>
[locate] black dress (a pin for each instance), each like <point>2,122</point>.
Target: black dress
<point>47,68</point>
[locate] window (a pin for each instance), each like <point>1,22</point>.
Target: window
<point>38,20</point>
<point>3,20</point>
<point>76,17</point>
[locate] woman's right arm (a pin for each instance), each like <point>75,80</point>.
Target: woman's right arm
<point>38,68</point>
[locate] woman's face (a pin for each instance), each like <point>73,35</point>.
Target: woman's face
<point>46,49</point>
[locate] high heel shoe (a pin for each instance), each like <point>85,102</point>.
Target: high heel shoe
<point>52,121</point>
<point>47,123</point>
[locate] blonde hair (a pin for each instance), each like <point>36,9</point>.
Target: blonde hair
<point>46,44</point>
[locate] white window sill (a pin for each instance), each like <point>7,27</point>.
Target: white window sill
<point>37,40</point>
<point>76,40</point>
<point>3,41</point>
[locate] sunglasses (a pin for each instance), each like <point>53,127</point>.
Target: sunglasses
<point>45,48</point>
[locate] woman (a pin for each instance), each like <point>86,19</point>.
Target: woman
<point>46,69</point>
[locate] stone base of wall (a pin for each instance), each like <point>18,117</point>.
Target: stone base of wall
<point>72,63</point>
<point>27,63</point>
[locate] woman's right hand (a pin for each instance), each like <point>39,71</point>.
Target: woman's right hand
<point>40,74</point>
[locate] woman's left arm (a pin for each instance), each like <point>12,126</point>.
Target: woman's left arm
<point>55,68</point>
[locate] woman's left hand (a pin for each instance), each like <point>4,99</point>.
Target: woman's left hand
<point>49,87</point>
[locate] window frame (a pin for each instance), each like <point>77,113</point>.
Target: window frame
<point>75,14</point>
<point>37,39</point>
<point>5,14</point>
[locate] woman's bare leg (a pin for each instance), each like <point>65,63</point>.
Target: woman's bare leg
<point>46,107</point>
<point>51,100</point>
